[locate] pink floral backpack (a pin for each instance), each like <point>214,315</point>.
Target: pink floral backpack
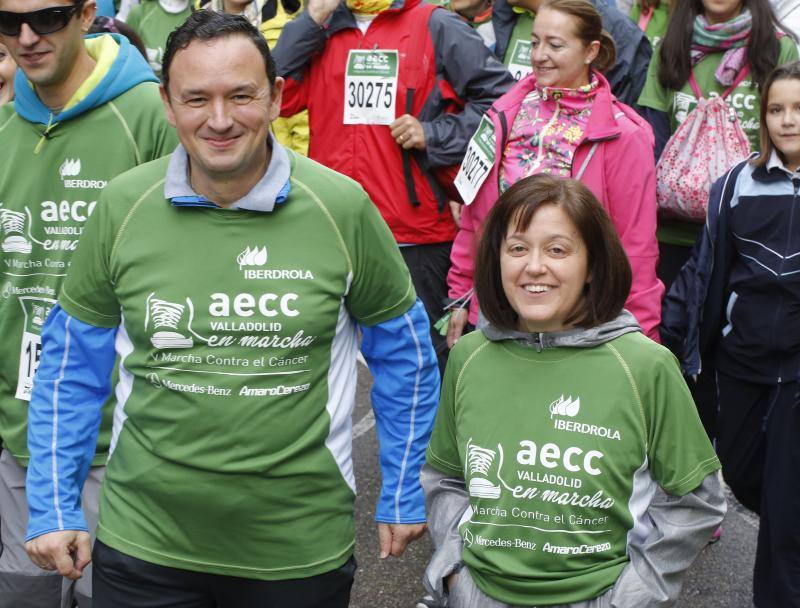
<point>704,146</point>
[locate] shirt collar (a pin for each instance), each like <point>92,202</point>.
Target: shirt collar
<point>272,189</point>
<point>775,162</point>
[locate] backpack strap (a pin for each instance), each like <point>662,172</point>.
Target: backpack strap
<point>736,81</point>
<point>413,70</point>
<point>739,77</point>
<point>644,19</point>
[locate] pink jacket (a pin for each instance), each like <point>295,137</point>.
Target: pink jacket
<point>616,155</point>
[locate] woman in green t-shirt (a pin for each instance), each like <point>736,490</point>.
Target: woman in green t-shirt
<point>715,40</point>
<point>558,421</point>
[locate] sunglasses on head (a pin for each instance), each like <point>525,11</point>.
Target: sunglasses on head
<point>42,22</point>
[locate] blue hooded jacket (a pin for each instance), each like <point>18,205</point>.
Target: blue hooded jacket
<point>128,70</point>
<point>105,8</point>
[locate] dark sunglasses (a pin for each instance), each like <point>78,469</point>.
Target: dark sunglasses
<point>42,22</point>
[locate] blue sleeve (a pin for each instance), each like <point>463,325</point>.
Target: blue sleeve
<point>71,385</point>
<point>405,396</point>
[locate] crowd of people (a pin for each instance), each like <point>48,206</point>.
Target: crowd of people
<point>560,232</point>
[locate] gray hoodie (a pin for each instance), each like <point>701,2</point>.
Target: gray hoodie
<point>682,526</point>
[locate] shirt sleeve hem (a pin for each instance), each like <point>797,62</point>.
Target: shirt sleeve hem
<point>442,465</point>
<point>695,478</point>
<point>86,315</point>
<point>394,311</point>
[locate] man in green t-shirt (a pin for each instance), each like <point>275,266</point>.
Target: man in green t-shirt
<point>230,279</point>
<point>85,110</point>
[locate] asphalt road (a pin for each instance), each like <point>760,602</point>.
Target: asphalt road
<point>721,577</point>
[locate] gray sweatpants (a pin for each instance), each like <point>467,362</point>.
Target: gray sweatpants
<point>22,583</point>
<point>465,594</point>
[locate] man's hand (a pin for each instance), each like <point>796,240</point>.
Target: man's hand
<point>458,319</point>
<point>320,10</point>
<point>394,538</point>
<point>408,133</point>
<point>68,551</point>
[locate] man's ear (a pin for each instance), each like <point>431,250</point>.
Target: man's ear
<point>276,95</point>
<point>88,13</point>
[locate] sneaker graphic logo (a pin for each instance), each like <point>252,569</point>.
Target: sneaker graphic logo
<point>565,407</point>
<point>166,317</point>
<point>39,314</point>
<point>153,379</point>
<point>480,462</point>
<point>12,225</point>
<point>70,167</point>
<point>252,257</point>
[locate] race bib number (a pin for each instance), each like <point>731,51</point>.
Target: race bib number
<point>477,162</point>
<point>520,64</point>
<point>370,87</point>
<point>36,311</point>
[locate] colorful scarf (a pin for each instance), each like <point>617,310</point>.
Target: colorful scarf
<point>549,125</point>
<point>730,37</point>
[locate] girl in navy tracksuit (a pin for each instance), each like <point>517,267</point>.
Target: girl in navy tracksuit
<point>738,299</point>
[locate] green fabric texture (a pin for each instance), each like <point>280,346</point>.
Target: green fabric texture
<point>154,25</point>
<point>560,451</point>
<point>45,200</point>
<point>238,328</point>
<point>657,26</point>
<point>745,99</point>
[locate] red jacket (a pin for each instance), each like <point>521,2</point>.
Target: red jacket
<point>455,66</point>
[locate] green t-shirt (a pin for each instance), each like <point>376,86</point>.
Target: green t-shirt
<point>561,451</point>
<point>518,54</point>
<point>744,99</point>
<point>657,26</point>
<point>238,340</point>
<point>154,25</point>
<point>48,189</point>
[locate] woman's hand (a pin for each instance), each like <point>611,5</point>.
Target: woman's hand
<point>455,328</point>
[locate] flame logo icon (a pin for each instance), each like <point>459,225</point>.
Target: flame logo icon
<point>252,257</point>
<point>565,407</point>
<point>70,167</point>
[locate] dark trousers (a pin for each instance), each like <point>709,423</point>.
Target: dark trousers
<point>671,259</point>
<point>758,429</point>
<point>122,581</point>
<point>428,265</point>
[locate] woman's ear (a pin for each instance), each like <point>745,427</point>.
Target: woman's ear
<point>592,49</point>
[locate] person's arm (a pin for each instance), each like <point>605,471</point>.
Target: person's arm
<point>71,385</point>
<point>446,501</point>
<point>682,527</point>
<point>459,277</point>
<point>659,122</point>
<point>476,77</point>
<point>300,40</point>
<point>632,207</point>
<point>405,395</point>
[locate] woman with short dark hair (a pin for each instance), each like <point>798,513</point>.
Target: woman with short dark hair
<point>558,422</point>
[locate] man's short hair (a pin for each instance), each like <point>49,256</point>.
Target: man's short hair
<point>210,25</point>
<point>608,266</point>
